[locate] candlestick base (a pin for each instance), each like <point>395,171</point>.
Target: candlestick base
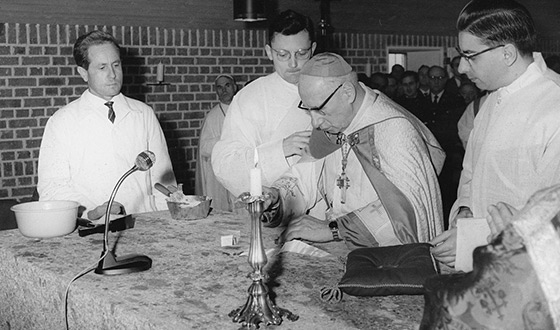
<point>259,308</point>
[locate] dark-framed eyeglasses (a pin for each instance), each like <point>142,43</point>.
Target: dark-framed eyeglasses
<point>300,54</point>
<point>470,56</point>
<point>301,106</point>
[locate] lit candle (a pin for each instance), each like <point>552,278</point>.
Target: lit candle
<point>159,72</point>
<point>255,178</point>
<point>256,186</point>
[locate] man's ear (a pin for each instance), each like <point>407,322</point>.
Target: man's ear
<point>510,53</point>
<point>268,50</point>
<point>313,46</point>
<point>349,91</point>
<point>83,73</point>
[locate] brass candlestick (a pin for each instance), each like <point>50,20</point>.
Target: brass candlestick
<point>259,308</point>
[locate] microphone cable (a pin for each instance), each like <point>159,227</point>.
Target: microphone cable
<point>80,274</point>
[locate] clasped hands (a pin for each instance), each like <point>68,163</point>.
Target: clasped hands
<point>305,227</point>
<point>445,245</point>
<point>99,211</point>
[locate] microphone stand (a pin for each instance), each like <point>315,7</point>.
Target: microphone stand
<point>110,264</point>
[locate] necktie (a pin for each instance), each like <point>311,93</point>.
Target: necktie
<point>435,99</point>
<point>111,115</point>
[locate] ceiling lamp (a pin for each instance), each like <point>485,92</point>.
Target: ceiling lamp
<point>249,10</point>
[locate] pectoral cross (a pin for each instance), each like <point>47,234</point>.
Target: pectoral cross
<point>342,183</point>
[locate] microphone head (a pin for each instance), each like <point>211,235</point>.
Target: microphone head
<point>145,160</point>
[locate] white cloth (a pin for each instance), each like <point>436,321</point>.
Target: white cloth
<point>466,122</point>
<point>206,183</point>
<point>404,160</point>
<point>514,148</point>
<point>83,154</point>
<point>260,116</point>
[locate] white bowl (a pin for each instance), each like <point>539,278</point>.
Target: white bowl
<point>46,219</point>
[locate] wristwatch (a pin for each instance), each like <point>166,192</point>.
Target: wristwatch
<point>333,226</point>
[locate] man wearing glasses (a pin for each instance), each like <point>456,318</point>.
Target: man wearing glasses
<point>263,126</point>
<point>376,167</point>
<point>514,148</point>
<point>444,110</point>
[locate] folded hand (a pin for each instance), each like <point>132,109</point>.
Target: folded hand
<point>500,215</point>
<point>445,247</point>
<point>307,228</point>
<point>99,211</point>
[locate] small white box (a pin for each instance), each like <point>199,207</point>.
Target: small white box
<point>231,239</point>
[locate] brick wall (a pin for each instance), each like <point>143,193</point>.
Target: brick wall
<point>38,76</point>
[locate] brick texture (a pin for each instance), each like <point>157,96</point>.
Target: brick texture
<point>38,76</point>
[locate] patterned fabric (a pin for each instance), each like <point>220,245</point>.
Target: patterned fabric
<point>514,283</point>
<point>111,114</point>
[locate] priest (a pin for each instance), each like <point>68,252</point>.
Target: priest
<point>376,166</point>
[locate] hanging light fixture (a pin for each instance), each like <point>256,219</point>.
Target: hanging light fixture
<point>249,10</point>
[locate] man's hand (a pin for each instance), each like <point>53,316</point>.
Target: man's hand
<point>295,143</point>
<point>500,215</point>
<point>99,211</point>
<point>307,228</point>
<point>445,247</point>
<point>306,156</point>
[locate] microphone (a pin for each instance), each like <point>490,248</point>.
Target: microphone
<point>110,264</point>
<point>145,160</point>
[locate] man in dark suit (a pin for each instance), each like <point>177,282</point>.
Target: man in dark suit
<point>444,112</point>
<point>412,100</point>
<point>423,79</point>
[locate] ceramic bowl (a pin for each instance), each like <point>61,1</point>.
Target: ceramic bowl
<point>45,219</point>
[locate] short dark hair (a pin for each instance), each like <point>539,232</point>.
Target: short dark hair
<point>289,23</point>
<point>498,22</point>
<point>412,74</point>
<point>81,46</point>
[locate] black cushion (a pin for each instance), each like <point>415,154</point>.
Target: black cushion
<point>390,270</point>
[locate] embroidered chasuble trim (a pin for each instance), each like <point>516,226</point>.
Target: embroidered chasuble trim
<point>398,207</point>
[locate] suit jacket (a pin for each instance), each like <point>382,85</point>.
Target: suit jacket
<point>452,86</point>
<point>419,106</point>
<point>442,119</point>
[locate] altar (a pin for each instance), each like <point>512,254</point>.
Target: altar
<point>194,282</point>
